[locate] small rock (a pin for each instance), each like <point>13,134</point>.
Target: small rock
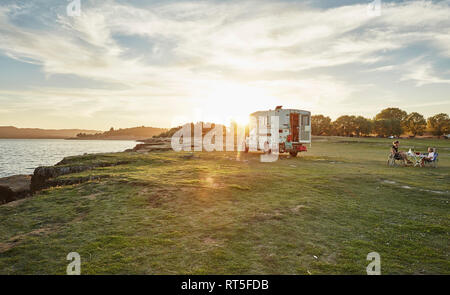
<point>14,187</point>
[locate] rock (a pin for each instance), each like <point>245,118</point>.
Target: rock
<point>152,147</point>
<point>14,187</point>
<point>42,175</point>
<point>157,140</point>
<point>6,195</point>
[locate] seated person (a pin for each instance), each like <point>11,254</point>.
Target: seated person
<point>428,157</point>
<point>398,155</point>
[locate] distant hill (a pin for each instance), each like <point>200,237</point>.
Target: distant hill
<point>136,133</point>
<point>28,133</point>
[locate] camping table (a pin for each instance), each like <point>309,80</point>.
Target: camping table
<point>417,158</point>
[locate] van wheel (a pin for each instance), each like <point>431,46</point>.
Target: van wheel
<point>293,154</point>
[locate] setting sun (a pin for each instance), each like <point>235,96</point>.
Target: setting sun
<point>223,102</point>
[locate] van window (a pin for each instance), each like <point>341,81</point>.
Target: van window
<point>305,120</point>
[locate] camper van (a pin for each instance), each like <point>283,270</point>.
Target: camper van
<point>294,130</point>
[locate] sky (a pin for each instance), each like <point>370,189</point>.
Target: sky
<point>162,63</point>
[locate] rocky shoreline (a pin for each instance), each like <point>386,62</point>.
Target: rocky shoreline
<point>17,187</point>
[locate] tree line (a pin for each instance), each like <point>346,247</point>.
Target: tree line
<point>135,131</point>
<point>388,122</point>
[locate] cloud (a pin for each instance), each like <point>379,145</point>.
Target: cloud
<point>189,46</point>
<point>423,74</point>
<point>420,70</point>
<point>384,68</point>
<point>246,37</point>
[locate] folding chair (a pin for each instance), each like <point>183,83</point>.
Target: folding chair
<point>433,162</point>
<point>392,160</point>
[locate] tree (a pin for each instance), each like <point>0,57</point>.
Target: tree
<point>389,122</point>
<point>392,113</point>
<point>415,123</point>
<point>320,125</point>
<point>387,127</point>
<point>439,124</point>
<point>345,125</point>
<point>363,126</point>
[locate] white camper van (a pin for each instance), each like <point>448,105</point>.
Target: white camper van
<point>294,130</point>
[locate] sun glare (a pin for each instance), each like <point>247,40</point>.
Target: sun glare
<point>226,102</point>
<point>241,120</point>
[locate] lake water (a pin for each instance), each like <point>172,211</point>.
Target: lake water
<point>22,156</point>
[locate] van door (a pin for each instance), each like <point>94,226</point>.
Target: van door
<point>294,127</point>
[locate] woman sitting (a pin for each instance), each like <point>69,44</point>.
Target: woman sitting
<point>428,157</point>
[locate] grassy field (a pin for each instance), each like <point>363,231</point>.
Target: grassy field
<point>225,213</point>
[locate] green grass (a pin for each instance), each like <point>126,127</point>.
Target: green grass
<point>162,213</point>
